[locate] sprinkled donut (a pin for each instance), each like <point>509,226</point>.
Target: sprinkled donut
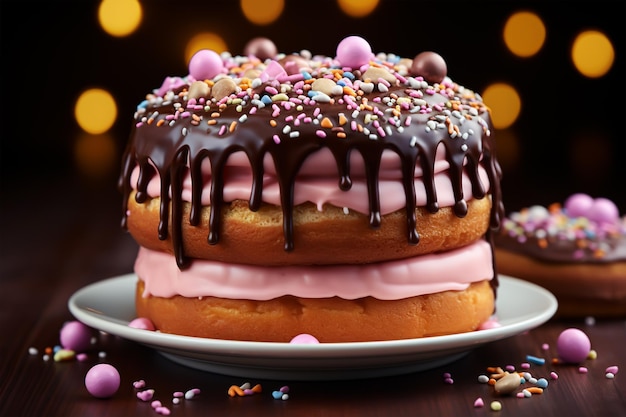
<point>577,250</point>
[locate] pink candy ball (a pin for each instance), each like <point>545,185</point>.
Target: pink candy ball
<point>102,380</point>
<point>573,345</point>
<point>76,336</point>
<point>354,52</point>
<point>577,205</point>
<point>205,64</point>
<point>304,339</point>
<point>603,210</point>
<point>142,323</point>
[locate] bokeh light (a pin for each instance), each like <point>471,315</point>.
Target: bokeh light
<point>95,155</point>
<point>524,33</point>
<point>592,53</point>
<point>95,111</point>
<point>119,17</point>
<point>505,104</point>
<point>204,40</point>
<point>357,8</point>
<point>262,12</point>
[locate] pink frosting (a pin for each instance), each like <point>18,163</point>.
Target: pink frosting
<point>318,181</point>
<point>451,270</point>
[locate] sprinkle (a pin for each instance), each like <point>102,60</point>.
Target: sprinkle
<point>545,346</point>
<point>535,390</point>
<point>554,375</point>
<point>592,354</point>
<point>496,405</point>
<point>582,370</point>
<point>535,360</point>
<point>609,375</point>
<point>33,351</point>
<point>478,402</point>
<point>235,390</point>
<point>612,369</point>
<point>145,395</point>
<point>63,355</point>
<point>139,384</point>
<point>483,379</point>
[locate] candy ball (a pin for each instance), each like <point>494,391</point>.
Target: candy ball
<point>577,205</point>
<point>573,345</point>
<point>142,323</point>
<point>262,48</point>
<point>293,64</point>
<point>304,339</point>
<point>76,336</point>
<point>603,210</point>
<point>429,65</point>
<point>354,52</point>
<point>205,64</point>
<point>102,380</point>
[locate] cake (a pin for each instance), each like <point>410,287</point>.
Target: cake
<point>575,249</point>
<point>351,197</point>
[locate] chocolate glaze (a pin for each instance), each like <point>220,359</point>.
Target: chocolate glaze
<point>173,146</point>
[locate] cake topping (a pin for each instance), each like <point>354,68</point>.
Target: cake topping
<point>431,66</point>
<point>295,105</point>
<point>260,47</point>
<point>583,229</point>
<point>205,64</point>
<point>354,52</point>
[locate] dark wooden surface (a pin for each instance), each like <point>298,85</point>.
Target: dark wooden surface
<point>58,235</point>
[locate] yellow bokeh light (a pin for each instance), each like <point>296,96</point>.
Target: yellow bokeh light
<point>357,8</point>
<point>592,53</point>
<point>95,111</point>
<point>262,12</point>
<point>204,40</point>
<point>524,34</point>
<point>505,104</point>
<point>119,17</point>
<point>95,155</point>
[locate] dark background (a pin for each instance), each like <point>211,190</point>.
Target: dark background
<point>53,50</point>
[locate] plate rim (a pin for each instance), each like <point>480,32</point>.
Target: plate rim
<point>235,348</point>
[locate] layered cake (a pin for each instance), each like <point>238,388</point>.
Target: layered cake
<point>350,197</point>
<point>575,249</point>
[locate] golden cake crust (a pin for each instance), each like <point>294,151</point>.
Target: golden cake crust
<point>323,237</point>
<point>328,319</point>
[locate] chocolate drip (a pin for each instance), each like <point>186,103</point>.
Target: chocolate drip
<point>172,148</point>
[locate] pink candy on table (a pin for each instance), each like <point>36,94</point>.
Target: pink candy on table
<point>573,345</point>
<point>76,336</point>
<point>102,380</point>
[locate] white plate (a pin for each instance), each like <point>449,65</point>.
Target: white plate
<point>109,306</point>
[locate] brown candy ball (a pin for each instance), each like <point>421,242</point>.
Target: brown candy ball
<point>262,48</point>
<point>431,66</point>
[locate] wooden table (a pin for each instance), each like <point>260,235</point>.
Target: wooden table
<point>59,235</point>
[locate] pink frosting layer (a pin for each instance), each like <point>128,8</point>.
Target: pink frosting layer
<point>452,270</point>
<point>318,181</point>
